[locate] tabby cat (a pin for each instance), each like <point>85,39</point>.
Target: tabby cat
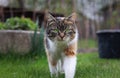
<point>61,45</point>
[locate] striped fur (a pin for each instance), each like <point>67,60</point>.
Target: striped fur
<point>61,45</point>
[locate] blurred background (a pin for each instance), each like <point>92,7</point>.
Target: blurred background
<point>93,15</point>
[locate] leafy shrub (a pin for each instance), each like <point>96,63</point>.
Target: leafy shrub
<point>2,26</point>
<point>20,24</point>
<point>37,47</point>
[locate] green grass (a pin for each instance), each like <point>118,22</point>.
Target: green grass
<point>89,65</point>
<point>90,43</point>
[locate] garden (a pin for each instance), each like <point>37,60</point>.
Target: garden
<point>89,65</point>
<point>22,53</point>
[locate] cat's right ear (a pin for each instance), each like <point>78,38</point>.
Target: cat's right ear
<point>48,18</point>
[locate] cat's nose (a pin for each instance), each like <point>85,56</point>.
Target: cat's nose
<point>61,35</point>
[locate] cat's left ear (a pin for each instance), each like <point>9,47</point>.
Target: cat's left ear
<point>50,17</point>
<point>72,17</point>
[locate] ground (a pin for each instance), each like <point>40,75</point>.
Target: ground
<point>89,65</point>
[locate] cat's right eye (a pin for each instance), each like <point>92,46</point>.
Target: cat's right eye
<point>55,30</point>
<point>66,30</point>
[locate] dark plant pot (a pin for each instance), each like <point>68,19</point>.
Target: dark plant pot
<point>109,43</point>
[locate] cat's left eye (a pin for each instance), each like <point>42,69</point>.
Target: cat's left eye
<point>67,30</point>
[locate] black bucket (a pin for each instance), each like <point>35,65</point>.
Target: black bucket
<point>109,43</point>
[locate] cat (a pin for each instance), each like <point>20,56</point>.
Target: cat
<point>60,41</point>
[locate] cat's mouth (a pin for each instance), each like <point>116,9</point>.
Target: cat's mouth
<point>63,39</point>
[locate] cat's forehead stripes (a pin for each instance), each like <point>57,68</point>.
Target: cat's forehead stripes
<point>51,23</point>
<point>60,22</point>
<point>68,22</point>
<point>61,25</point>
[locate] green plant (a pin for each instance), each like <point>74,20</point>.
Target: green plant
<point>2,26</point>
<point>20,24</point>
<point>37,47</point>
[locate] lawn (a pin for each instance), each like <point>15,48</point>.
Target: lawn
<point>89,66</point>
<point>90,43</point>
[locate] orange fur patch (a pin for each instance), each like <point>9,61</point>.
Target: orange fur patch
<point>54,63</point>
<point>71,50</point>
<point>68,22</point>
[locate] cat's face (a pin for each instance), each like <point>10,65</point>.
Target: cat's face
<point>61,28</point>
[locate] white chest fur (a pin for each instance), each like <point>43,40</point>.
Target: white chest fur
<point>64,64</point>
<point>57,48</point>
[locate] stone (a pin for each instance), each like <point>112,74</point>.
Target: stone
<point>16,40</point>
